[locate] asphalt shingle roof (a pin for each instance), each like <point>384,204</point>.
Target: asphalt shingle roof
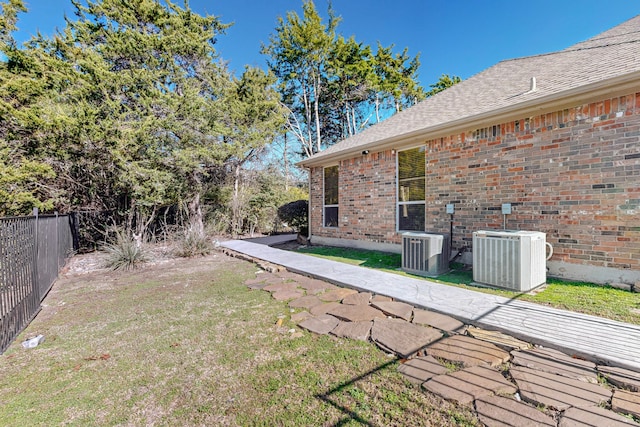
<point>507,85</point>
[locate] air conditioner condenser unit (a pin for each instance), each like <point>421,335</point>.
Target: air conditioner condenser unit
<point>514,260</point>
<point>425,254</point>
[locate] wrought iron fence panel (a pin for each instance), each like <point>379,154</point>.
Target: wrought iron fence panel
<point>32,252</point>
<point>19,296</point>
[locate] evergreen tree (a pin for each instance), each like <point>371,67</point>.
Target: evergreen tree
<point>332,86</point>
<point>445,81</point>
<point>26,178</point>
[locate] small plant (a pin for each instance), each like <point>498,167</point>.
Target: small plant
<point>124,253</point>
<point>193,244</point>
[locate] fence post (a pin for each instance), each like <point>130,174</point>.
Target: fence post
<point>57,244</point>
<point>36,281</point>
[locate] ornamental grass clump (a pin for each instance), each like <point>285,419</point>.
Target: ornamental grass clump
<point>124,253</point>
<point>193,244</point>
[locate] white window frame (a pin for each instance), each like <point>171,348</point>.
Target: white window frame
<point>325,206</point>
<point>400,205</point>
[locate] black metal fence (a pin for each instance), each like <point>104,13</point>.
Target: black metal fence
<point>32,251</point>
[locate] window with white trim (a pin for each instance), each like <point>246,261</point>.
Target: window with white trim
<point>330,211</point>
<point>411,189</point>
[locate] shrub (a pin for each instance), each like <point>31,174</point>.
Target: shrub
<point>193,244</point>
<point>295,214</point>
<point>124,253</point>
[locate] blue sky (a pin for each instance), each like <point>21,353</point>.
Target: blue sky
<point>460,37</point>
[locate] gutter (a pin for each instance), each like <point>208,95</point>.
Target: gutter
<point>617,85</point>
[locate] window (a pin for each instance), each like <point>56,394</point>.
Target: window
<point>331,196</point>
<point>411,189</point>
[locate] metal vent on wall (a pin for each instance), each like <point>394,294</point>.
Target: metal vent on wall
<point>513,260</point>
<point>425,254</point>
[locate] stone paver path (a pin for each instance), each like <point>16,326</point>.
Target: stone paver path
<point>421,369</point>
<point>627,402</point>
<point>437,320</point>
<point>397,309</point>
<point>336,294</point>
<point>529,386</point>
<point>321,324</point>
<point>402,338</point>
<point>359,330</point>
<point>361,298</point>
<point>498,338</point>
<point>355,313</point>
<point>323,308</point>
<point>498,411</point>
<point>556,362</point>
<point>557,391</point>
<point>593,416</point>
<point>466,385</point>
<point>468,351</point>
<point>307,302</point>
<point>620,377</point>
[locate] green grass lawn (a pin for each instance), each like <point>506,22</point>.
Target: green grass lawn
<point>186,343</point>
<point>588,298</point>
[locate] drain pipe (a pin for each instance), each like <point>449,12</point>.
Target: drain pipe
<point>450,209</point>
<point>309,207</point>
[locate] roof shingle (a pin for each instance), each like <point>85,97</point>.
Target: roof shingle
<point>506,85</point>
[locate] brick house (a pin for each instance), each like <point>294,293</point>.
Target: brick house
<point>556,135</point>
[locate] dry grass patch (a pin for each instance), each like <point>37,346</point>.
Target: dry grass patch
<point>185,342</point>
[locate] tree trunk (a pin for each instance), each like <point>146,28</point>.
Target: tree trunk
<point>236,214</point>
<point>286,163</point>
<point>308,115</point>
<point>347,120</point>
<point>316,108</point>
<point>196,222</point>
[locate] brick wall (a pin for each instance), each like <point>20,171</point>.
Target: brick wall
<point>573,174</point>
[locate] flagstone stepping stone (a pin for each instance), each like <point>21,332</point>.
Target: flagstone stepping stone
<point>468,351</point>
<point>323,308</point>
<point>288,275</point>
<point>273,279</point>
<point>436,320</point>
<point>378,298</point>
<point>355,313</point>
<point>498,338</point>
<point>337,294</point>
<point>321,325</point>
<point>402,338</point>
<point>287,295</point>
<point>361,298</point>
<point>257,286</point>
<point>395,309</point>
<point>626,402</point>
<point>314,286</point>
<point>299,317</point>
<point>593,416</point>
<point>465,386</point>
<point>307,301</point>
<point>557,391</point>
<point>498,411</point>
<point>623,378</point>
<point>422,368</point>
<point>260,278</point>
<point>285,286</point>
<point>556,362</point>
<point>354,330</point>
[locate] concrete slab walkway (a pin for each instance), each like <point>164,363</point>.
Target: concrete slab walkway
<point>594,338</point>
